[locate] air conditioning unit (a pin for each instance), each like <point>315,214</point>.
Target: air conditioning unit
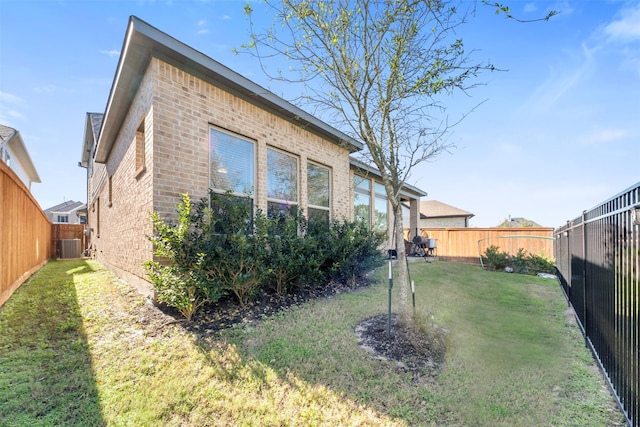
<point>70,248</point>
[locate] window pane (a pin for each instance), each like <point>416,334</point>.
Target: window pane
<point>362,183</point>
<point>282,176</point>
<point>319,215</point>
<point>231,163</point>
<point>380,189</point>
<point>317,185</point>
<point>362,208</point>
<point>380,220</point>
<point>279,209</point>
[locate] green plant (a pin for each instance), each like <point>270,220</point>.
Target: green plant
<point>493,259</point>
<point>347,249</point>
<point>179,275</point>
<point>235,249</point>
<point>519,262</point>
<point>540,264</point>
<point>291,262</point>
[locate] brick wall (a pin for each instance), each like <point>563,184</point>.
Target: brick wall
<point>177,110</point>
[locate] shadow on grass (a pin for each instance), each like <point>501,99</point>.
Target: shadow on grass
<point>46,375</point>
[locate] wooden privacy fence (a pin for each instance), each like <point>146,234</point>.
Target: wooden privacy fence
<point>25,233</point>
<point>466,244</point>
<point>66,232</point>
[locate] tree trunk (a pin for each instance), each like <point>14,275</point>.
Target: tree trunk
<point>404,315</point>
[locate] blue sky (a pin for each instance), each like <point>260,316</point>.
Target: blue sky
<point>557,133</point>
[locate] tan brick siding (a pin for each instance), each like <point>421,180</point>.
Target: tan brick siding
<point>179,109</point>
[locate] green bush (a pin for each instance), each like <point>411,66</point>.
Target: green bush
<point>495,260</point>
<point>178,273</point>
<point>540,264</point>
<point>522,262</point>
<point>519,262</point>
<point>348,249</point>
<point>219,246</point>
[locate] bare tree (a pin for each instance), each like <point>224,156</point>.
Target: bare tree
<point>379,69</point>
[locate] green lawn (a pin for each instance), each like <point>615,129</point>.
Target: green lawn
<point>78,347</point>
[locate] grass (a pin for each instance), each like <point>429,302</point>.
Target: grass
<point>78,347</point>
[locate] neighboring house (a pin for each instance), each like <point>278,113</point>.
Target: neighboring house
<point>435,214</point>
<point>179,122</point>
<point>518,223</point>
<point>14,153</point>
<point>68,212</point>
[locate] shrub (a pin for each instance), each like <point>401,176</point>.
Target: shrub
<point>292,258</point>
<point>540,264</point>
<point>493,259</point>
<point>218,246</point>
<point>522,262</point>
<point>234,250</point>
<point>179,273</point>
<point>347,249</point>
<point>519,262</point>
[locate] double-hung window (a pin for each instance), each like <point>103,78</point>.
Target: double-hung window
<point>282,182</point>
<point>380,221</point>
<point>362,199</point>
<point>318,192</point>
<point>231,163</point>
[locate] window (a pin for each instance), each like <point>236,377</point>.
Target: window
<point>282,182</point>
<point>140,150</point>
<point>380,221</point>
<point>63,218</point>
<point>318,192</point>
<point>98,217</point>
<point>231,163</point>
<point>362,199</point>
<point>110,191</point>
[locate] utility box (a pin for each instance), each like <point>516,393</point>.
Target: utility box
<point>70,248</point>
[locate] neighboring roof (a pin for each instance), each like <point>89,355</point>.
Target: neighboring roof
<point>407,189</point>
<point>68,206</point>
<point>519,223</point>
<point>142,41</point>
<point>93,123</point>
<point>436,209</point>
<point>12,138</point>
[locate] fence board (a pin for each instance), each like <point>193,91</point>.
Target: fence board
<point>25,233</point>
<point>466,244</point>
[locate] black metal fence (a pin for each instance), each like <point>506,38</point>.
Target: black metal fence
<point>598,260</point>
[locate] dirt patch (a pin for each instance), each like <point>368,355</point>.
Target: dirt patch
<point>410,347</point>
<point>226,313</point>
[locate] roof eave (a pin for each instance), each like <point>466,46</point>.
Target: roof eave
<point>17,145</point>
<point>142,41</point>
<point>408,190</point>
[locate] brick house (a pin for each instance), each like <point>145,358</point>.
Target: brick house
<point>177,121</point>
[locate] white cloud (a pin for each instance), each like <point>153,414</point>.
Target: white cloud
<point>225,17</point>
<point>202,27</point>
<point>561,81</point>
<point>9,109</point>
<point>111,52</point>
<point>10,99</point>
<point>627,28</point>
<point>50,88</point>
<point>508,148</point>
<point>604,136</point>
<point>530,7</point>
